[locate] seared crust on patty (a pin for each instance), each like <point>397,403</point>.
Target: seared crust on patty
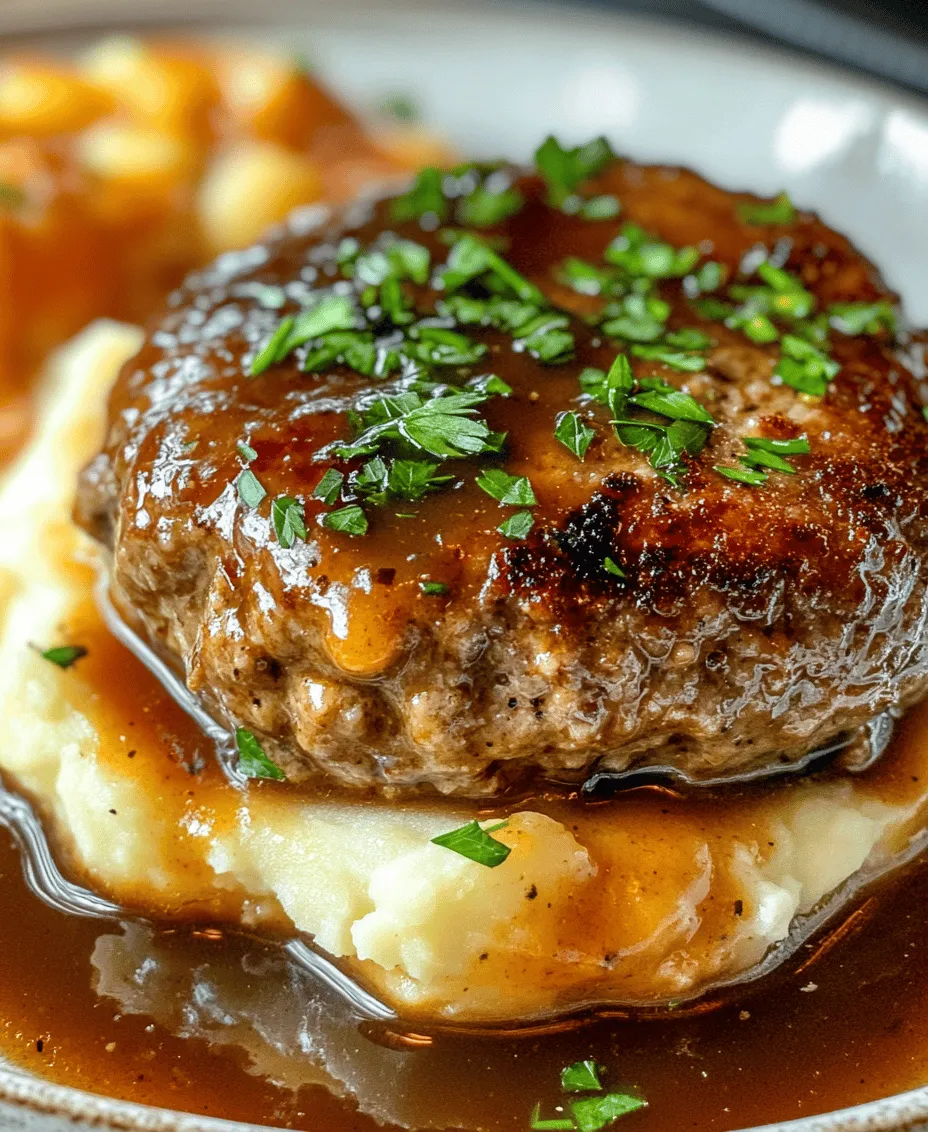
<point>710,626</point>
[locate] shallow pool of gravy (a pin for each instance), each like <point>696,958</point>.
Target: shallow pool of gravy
<point>214,1022</point>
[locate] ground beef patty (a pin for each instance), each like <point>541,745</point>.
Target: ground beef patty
<point>657,612</point>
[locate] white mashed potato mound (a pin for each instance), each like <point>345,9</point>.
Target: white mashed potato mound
<point>572,914</point>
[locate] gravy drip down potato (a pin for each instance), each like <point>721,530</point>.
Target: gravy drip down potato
<point>122,170</point>
<point>527,476</point>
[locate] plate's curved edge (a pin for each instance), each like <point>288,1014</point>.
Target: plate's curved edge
<point>31,1104</point>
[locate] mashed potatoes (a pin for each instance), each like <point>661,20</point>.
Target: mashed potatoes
<point>649,898</point>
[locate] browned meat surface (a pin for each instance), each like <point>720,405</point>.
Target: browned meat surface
<point>685,620</point>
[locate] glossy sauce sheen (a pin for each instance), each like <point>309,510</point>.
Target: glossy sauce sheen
<point>725,1065</point>
<point>779,1050</point>
<point>538,662</point>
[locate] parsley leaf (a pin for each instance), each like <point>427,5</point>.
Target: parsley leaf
<point>557,1124</point>
<point>612,567</point>
<point>328,488</point>
<point>688,363</point>
<point>436,345</point>
<point>413,479</point>
<point>513,490</point>
<point>470,258</point>
<point>742,475</point>
<point>564,170</point>
<point>582,277</point>
<point>778,211</point>
<point>247,452</point>
<point>486,206</point>
<point>641,256</point>
<point>674,403</point>
<point>517,526</point>
<point>434,589</point>
<point>604,207</point>
<point>594,1113</point>
<point>443,426</point>
<point>334,312</point>
<point>424,199</point>
<point>64,655</point>
<point>289,523</point>
<point>798,446</point>
<point>637,318</point>
<point>862,318</point>
<point>250,489</point>
<point>351,520</point>
<point>252,760</point>
<point>268,354</point>
<point>804,367</point>
<point>475,843</point>
<point>761,459</point>
<point>582,1076</point>
<point>571,431</point>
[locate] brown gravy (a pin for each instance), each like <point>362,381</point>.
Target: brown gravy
<point>844,1022</point>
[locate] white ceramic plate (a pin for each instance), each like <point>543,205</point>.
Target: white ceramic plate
<point>744,116</point>
<point>496,79</point>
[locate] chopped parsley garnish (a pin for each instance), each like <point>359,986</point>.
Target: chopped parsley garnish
<point>288,520</point>
<point>564,170</point>
<point>247,452</point>
<point>250,489</point>
<point>434,589</point>
<point>475,843</point>
<point>636,318</point>
<point>581,1077</point>
<point>328,488</point>
<point>797,446</point>
<point>583,277</point>
<point>742,475</point>
<point>589,1113</point>
<point>790,298</point>
<point>517,526</point>
<point>765,455</point>
<point>612,388</point>
<point>778,211</point>
<point>380,481</point>
<point>612,567</point>
<point>594,1113</point>
<point>555,1124</point>
<point>487,206</point>
<point>709,277</point>
<point>332,313</point>
<point>443,425</point>
<point>513,490</point>
<point>64,655</point>
<point>663,444</point>
<point>676,359</point>
<point>426,198</point>
<point>863,318</point>
<point>351,520</point>
<point>673,403</point>
<point>641,256</point>
<point>760,458</point>
<point>470,258</point>
<point>804,367</point>
<point>605,207</point>
<point>573,433</point>
<point>270,352</point>
<point>252,760</point>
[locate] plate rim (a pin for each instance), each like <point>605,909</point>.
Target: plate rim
<point>27,1099</point>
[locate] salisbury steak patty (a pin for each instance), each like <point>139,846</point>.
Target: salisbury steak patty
<point>728,581</point>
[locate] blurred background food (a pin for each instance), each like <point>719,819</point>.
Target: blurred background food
<point>123,169</point>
